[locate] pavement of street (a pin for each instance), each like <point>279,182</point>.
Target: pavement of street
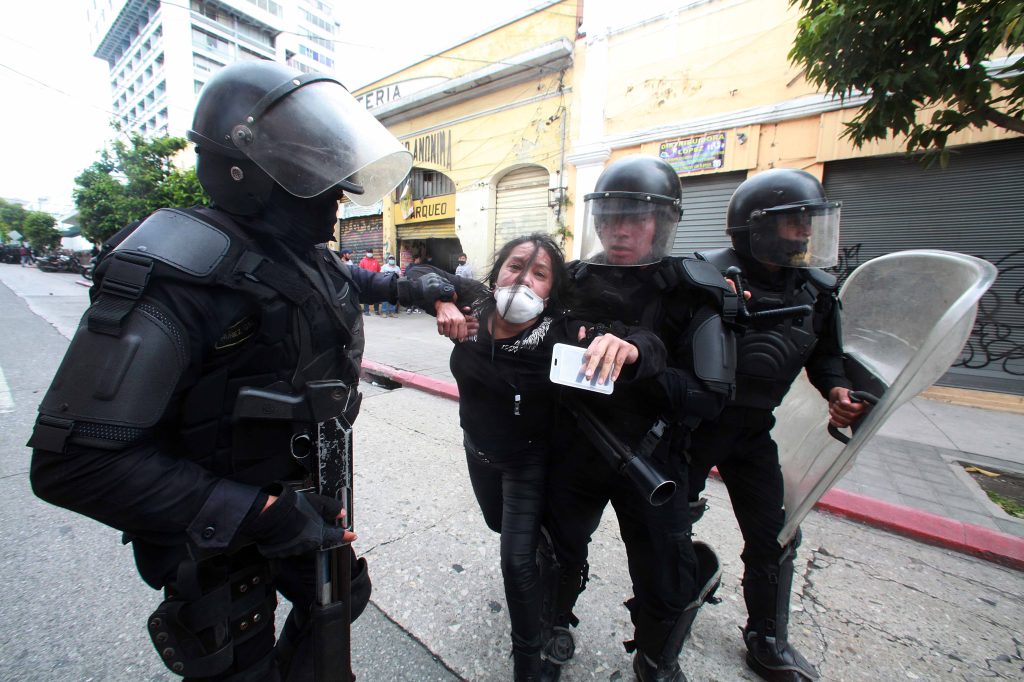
<point>867,605</point>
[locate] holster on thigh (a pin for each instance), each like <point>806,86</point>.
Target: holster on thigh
<point>207,612</point>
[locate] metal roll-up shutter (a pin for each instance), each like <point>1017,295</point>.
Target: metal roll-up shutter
<point>522,205</point>
<point>429,231</point>
<point>362,235</point>
<point>705,200</point>
<point>975,206</point>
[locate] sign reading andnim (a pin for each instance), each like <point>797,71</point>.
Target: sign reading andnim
<point>435,148</point>
<point>691,154</point>
<point>425,210</point>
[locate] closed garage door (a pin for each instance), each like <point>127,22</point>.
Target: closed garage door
<point>522,205</point>
<point>974,206</point>
<point>705,200</point>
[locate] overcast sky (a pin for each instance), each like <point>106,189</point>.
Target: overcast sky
<point>55,112</point>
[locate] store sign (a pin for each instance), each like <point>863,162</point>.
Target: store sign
<point>425,210</point>
<point>435,148</point>
<point>691,154</point>
<point>386,94</point>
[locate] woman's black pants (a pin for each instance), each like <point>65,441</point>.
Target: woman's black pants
<point>510,491</point>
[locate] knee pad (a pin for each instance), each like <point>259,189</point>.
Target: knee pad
<point>361,587</point>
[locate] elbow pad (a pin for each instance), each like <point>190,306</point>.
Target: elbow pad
<point>714,355</point>
<point>110,389</point>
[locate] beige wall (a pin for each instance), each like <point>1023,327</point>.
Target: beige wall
<point>722,66</point>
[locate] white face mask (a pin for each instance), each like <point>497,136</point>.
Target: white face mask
<point>518,303</point>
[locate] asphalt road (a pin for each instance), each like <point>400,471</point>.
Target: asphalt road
<point>867,605</point>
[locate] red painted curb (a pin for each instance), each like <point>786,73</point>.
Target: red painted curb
<point>445,389</point>
<point>927,527</point>
<point>984,543</point>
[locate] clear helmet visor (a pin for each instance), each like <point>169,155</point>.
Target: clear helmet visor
<point>625,228</point>
<point>317,136</point>
<point>796,236</point>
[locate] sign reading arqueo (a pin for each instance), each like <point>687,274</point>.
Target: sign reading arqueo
<point>425,210</point>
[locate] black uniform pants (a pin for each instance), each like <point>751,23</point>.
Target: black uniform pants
<point>510,491</point>
<point>659,549</point>
<point>739,443</point>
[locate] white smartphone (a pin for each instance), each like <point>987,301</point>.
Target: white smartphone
<point>567,369</point>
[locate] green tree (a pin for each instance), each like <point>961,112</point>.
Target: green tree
<point>130,181</point>
<point>11,218</point>
<point>40,231</point>
<point>914,55</point>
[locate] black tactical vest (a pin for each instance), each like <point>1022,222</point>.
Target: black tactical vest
<point>772,352</point>
<point>291,329</point>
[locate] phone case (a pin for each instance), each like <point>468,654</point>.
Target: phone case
<point>566,361</point>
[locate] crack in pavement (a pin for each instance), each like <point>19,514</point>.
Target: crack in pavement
<point>807,592</point>
<point>412,533</point>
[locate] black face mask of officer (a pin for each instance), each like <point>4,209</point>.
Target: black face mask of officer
<point>301,223</point>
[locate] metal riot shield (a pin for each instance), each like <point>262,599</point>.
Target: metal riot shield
<point>905,318</point>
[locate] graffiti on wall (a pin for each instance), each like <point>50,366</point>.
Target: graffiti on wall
<point>995,342</point>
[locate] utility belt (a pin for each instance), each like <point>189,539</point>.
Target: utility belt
<point>211,607</point>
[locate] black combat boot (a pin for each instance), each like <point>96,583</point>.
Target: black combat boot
<point>560,588</point>
<point>768,651</point>
<point>665,667</point>
<point>526,666</point>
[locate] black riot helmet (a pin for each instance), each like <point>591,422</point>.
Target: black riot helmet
<point>632,213</point>
<point>782,217</point>
<point>261,124</point>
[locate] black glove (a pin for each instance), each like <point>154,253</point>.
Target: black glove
<point>424,291</point>
<point>296,523</point>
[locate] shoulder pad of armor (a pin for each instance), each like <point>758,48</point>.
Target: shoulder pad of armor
<point>179,239</point>
<point>823,281</point>
<point>704,274</point>
<point>723,259</point>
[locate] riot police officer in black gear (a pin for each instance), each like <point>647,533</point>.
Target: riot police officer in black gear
<point>626,277</point>
<point>783,229</point>
<point>139,429</point>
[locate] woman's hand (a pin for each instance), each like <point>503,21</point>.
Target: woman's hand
<point>456,324</point>
<point>607,355</point>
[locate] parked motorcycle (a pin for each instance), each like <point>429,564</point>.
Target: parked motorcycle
<point>59,262</point>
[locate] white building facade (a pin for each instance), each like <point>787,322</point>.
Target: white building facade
<point>160,54</point>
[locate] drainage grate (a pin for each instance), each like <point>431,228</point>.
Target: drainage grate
<point>380,380</point>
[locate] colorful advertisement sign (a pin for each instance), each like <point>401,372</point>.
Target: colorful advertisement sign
<point>691,154</point>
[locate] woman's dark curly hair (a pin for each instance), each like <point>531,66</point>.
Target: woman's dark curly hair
<point>558,299</point>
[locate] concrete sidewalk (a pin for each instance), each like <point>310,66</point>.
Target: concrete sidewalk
<point>907,479</point>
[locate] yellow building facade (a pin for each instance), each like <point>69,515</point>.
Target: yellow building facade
<point>487,123</point>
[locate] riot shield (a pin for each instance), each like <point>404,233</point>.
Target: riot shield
<point>905,318</point>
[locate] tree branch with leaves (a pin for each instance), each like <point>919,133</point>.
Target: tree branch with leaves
<point>925,65</point>
<point>130,181</point>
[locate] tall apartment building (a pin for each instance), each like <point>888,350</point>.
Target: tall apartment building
<point>161,53</point>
